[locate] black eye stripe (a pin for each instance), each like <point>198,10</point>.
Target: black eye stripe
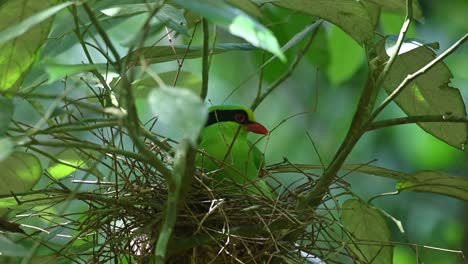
<point>216,116</point>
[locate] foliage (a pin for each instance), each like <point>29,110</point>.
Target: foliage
<point>99,129</point>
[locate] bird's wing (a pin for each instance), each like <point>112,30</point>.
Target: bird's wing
<point>257,156</point>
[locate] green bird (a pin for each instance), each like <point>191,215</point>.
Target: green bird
<point>230,158</point>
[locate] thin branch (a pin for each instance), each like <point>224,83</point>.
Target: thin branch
<point>101,148</point>
<point>447,118</point>
<point>205,59</point>
<point>258,100</point>
<point>103,35</point>
<point>358,125</point>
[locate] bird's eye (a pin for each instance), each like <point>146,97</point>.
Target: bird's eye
<point>239,117</point>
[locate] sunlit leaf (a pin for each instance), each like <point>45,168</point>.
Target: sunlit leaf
<point>19,172</point>
<point>28,201</point>
<point>180,109</point>
<point>237,22</point>
<point>429,94</point>
<point>6,112</point>
<point>24,27</point>
<point>353,17</point>
<point>158,54</point>
<point>69,161</point>
<point>11,30</point>
<point>371,236</point>
<point>436,182</point>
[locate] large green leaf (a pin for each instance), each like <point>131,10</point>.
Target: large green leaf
<point>399,6</point>
<point>19,173</point>
<point>436,182</point>
<point>158,54</point>
<point>180,109</point>
<point>370,241</point>
<point>6,112</point>
<point>353,17</point>
<point>237,22</point>
<point>429,94</point>
<point>24,27</point>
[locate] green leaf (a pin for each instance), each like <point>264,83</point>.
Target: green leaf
<point>353,17</point>
<point>429,94</point>
<point>26,8</point>
<point>237,22</point>
<point>180,109</point>
<point>345,56</point>
<point>375,170</point>
<point>371,236</point>
<point>167,14</point>
<point>59,71</point>
<point>399,6</point>
<point>436,182</point>
<point>158,54</point>
<point>19,173</point>
<point>248,6</point>
<point>6,113</point>
<point>186,80</point>
<point>28,201</point>
<point>12,248</point>
<point>69,161</point>
<point>7,147</point>
<point>24,27</point>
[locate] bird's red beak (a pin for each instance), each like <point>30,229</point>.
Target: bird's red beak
<point>257,128</point>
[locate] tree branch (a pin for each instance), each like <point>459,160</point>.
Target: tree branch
<point>417,119</point>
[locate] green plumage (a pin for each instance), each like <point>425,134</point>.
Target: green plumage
<point>231,158</point>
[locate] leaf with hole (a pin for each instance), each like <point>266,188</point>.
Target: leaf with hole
<point>428,94</point>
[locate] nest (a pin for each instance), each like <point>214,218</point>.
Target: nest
<point>215,224</point>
